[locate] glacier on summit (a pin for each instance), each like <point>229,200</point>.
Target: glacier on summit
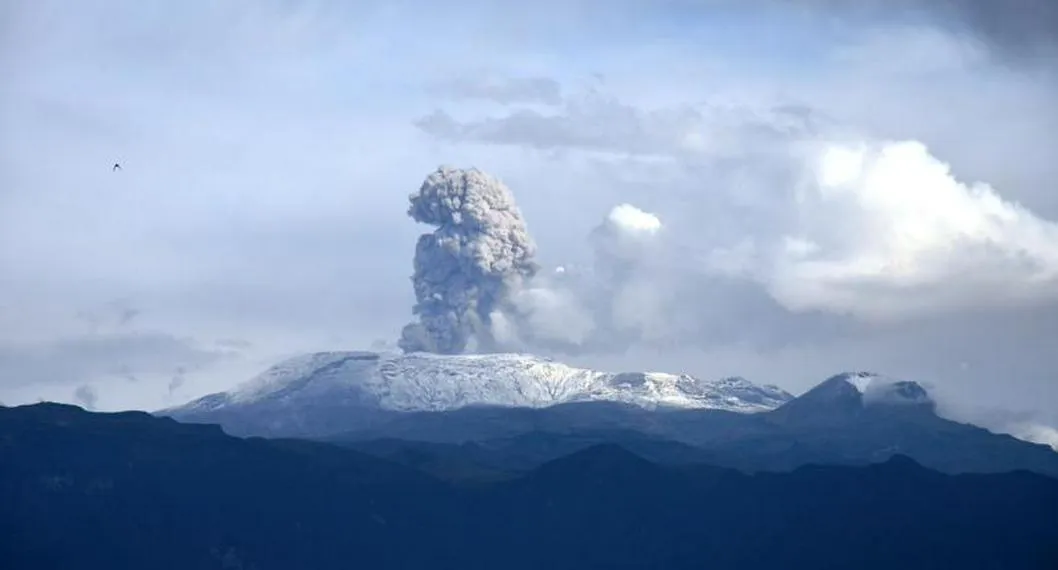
<point>435,382</point>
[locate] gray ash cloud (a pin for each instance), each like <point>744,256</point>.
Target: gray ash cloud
<point>466,268</point>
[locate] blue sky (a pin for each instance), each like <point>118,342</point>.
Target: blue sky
<point>268,149</point>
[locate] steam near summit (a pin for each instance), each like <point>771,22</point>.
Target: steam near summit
<point>478,288</point>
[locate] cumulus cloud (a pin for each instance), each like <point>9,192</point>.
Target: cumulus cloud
<point>885,230</point>
<point>632,220</point>
<point>633,286</point>
<point>623,241</point>
<point>629,264</point>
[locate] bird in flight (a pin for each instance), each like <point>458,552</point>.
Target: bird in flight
<point>116,167</point>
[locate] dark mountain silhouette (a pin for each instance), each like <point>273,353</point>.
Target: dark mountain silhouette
<point>501,458</point>
<point>128,490</point>
<point>831,424</point>
<point>838,422</point>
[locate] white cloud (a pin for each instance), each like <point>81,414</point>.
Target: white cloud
<point>627,240</point>
<point>1037,433</point>
<point>885,230</point>
<point>1034,433</point>
<point>628,218</point>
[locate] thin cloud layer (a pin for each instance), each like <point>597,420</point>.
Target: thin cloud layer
<point>594,122</point>
<point>1016,29</point>
<point>93,357</point>
<point>502,90</point>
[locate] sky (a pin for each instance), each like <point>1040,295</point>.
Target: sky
<point>835,187</point>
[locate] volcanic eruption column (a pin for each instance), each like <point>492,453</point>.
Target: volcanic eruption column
<point>466,268</point>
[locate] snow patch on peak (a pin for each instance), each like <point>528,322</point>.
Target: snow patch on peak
<point>859,380</point>
<point>279,376</point>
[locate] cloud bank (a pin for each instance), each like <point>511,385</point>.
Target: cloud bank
<point>834,225</point>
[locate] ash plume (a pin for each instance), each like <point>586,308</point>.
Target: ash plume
<point>479,289</point>
<point>466,269</point>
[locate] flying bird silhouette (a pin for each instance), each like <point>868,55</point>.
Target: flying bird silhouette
<point>116,167</point>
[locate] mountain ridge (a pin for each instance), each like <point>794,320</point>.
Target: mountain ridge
<point>853,418</point>
<point>428,382</point>
<point>84,489</point>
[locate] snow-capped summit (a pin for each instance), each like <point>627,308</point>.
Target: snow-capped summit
<point>851,393</point>
<point>858,380</point>
<point>432,382</point>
